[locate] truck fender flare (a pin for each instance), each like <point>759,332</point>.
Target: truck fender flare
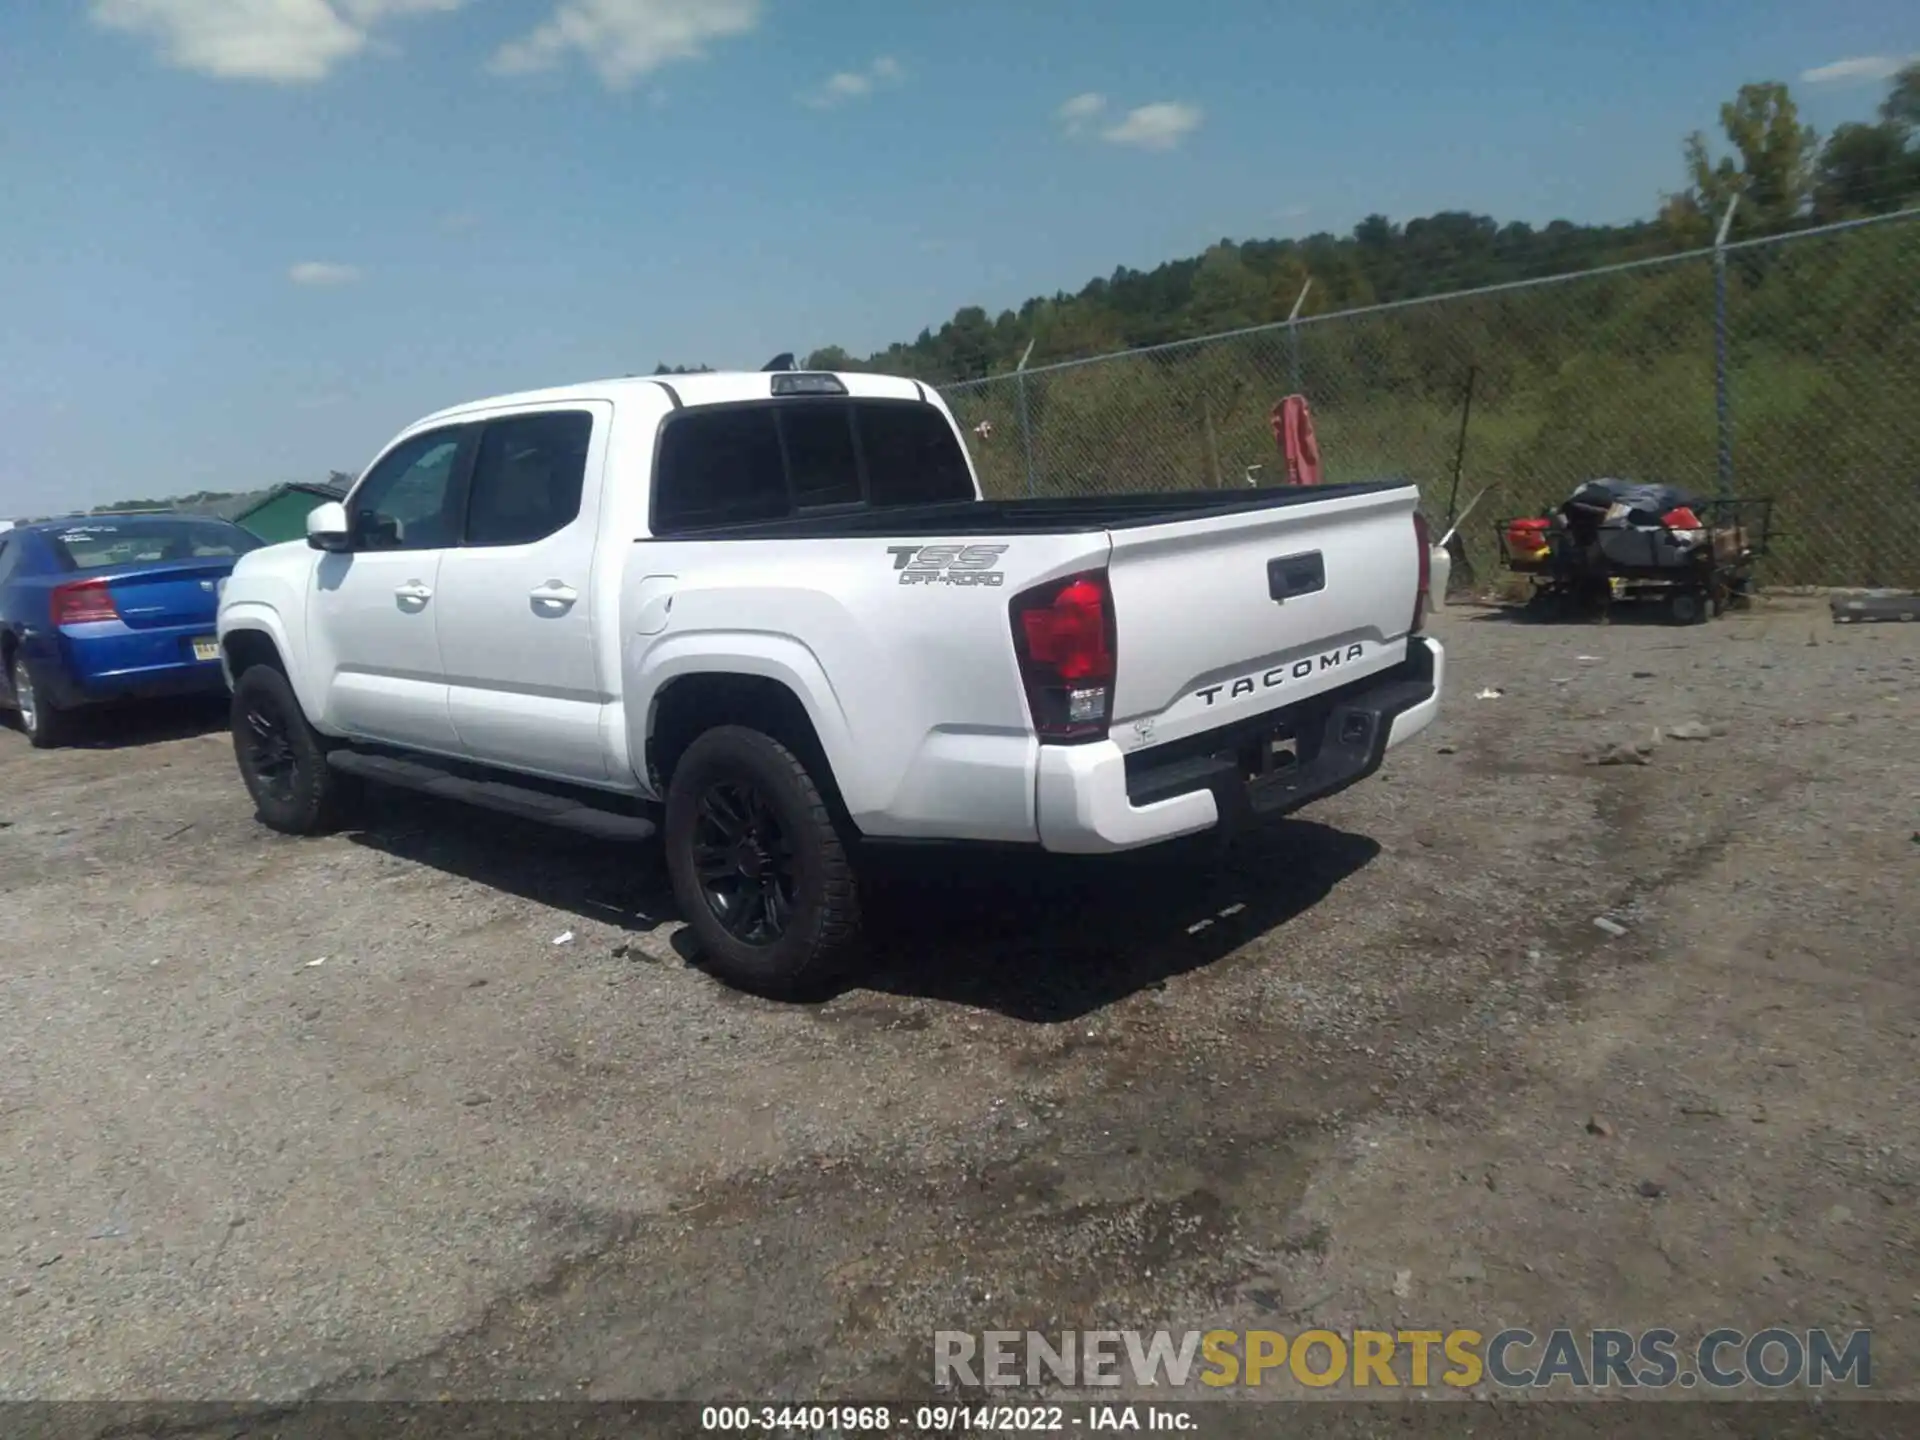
<point>253,617</point>
<point>779,658</point>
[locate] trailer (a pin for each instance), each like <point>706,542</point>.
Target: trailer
<point>1695,558</point>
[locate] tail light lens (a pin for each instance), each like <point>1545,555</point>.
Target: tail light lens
<point>1420,538</point>
<point>1063,634</point>
<point>79,601</point>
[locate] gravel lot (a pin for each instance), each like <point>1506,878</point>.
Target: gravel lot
<point>1382,1068</point>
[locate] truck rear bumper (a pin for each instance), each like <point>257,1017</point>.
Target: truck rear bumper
<point>1097,798</point>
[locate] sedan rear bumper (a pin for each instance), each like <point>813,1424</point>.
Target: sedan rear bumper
<point>102,663</point>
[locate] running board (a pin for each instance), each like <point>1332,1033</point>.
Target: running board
<point>567,812</point>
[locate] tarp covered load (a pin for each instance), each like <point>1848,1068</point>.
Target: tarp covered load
<point>1632,502</point>
<point>1635,523</point>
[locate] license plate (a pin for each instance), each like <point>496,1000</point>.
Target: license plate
<point>206,649</point>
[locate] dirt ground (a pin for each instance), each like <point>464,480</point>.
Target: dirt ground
<point>341,1118</point>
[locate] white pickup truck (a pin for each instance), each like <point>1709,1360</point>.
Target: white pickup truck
<point>771,615</point>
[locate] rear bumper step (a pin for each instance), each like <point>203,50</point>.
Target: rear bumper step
<point>451,781</point>
<point>1092,798</point>
<point>1337,740</point>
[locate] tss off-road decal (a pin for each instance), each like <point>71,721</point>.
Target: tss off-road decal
<point>948,564</point>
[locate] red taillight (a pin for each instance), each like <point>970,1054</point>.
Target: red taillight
<point>1064,636</point>
<point>1071,633</point>
<point>79,601</point>
<point>1426,572</point>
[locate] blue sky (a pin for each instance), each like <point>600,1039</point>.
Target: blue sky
<point>243,241</point>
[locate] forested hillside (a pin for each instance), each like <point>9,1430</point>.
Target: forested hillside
<point>1602,374</point>
<point>1786,175</point>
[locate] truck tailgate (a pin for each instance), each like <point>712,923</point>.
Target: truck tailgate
<point>1223,617</point>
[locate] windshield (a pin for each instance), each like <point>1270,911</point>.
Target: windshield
<point>97,544</point>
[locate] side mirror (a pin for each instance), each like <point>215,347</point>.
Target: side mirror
<point>327,527</point>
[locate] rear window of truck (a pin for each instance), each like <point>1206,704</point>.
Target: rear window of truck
<point>744,464</point>
<point>911,453</point>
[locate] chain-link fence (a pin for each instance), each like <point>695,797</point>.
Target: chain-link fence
<point>1811,397</point>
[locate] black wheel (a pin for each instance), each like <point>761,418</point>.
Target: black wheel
<point>1686,608</point>
<point>759,868</point>
<point>1547,603</point>
<point>47,726</point>
<point>282,759</point>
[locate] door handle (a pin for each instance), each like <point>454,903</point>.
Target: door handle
<point>553,593</point>
<point>414,590</point>
<point>1293,575</point>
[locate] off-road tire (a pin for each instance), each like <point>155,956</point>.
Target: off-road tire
<point>310,797</point>
<point>818,943</point>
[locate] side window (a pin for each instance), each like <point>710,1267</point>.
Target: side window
<point>913,456</point>
<point>822,467</point>
<point>9,559</point>
<point>527,476</point>
<point>718,467</point>
<point>403,503</point>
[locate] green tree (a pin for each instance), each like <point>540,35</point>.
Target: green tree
<point>967,343</point>
<point>1773,173</point>
<point>1864,170</point>
<point>830,357</point>
<point>1872,169</point>
<point>1226,293</point>
<point>1900,112</point>
<point>1901,108</point>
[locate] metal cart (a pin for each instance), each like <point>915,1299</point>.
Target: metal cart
<point>1582,566</point>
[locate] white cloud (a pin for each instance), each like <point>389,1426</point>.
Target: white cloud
<point>369,12</point>
<point>1160,126</point>
<point>1080,111</point>
<point>855,84</point>
<point>625,39</point>
<point>322,272</point>
<point>1859,68</point>
<point>283,41</point>
<point>847,85</point>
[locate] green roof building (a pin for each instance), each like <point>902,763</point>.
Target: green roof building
<point>281,513</point>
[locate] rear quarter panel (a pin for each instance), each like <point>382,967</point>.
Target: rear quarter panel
<point>911,684</point>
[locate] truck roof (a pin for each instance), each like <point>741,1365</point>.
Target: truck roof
<point>715,387</point>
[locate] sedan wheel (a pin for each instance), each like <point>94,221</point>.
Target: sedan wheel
<point>46,726</point>
<point>25,698</point>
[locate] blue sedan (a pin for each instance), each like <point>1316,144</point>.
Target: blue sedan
<point>102,608</point>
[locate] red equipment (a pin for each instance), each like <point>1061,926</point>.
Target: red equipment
<point>1292,422</point>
